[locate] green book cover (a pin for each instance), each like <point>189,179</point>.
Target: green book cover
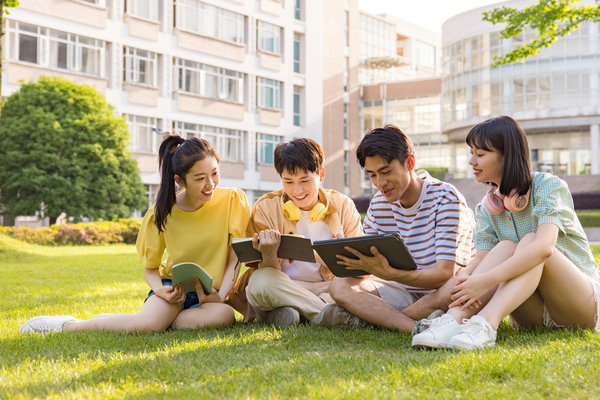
<point>185,272</point>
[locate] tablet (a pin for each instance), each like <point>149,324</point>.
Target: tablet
<point>390,245</point>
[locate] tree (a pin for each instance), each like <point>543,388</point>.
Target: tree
<point>4,6</point>
<point>62,149</point>
<point>551,18</point>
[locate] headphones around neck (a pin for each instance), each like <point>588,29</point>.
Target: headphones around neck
<point>292,212</point>
<point>496,202</point>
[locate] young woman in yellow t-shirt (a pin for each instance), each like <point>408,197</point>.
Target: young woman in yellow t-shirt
<point>195,224</point>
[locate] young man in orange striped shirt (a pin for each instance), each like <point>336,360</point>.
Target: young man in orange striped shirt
<point>434,222</point>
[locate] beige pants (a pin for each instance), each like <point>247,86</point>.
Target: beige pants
<point>269,288</point>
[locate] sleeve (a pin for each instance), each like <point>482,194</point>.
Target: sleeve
<point>150,242</point>
<point>351,219</point>
<point>547,198</point>
<point>453,231</point>
<point>485,234</point>
<point>239,215</point>
<point>254,226</point>
<point>369,225</point>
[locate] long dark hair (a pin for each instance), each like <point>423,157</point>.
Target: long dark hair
<point>505,135</point>
<point>175,157</point>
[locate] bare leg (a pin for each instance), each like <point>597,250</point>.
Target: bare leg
<point>566,291</point>
<point>361,298</point>
<point>156,315</point>
<point>215,315</point>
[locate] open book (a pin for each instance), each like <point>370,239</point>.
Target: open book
<point>185,272</point>
<point>292,247</point>
<point>389,245</point>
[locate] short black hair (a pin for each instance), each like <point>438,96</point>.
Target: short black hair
<point>506,136</point>
<point>389,142</point>
<point>302,154</point>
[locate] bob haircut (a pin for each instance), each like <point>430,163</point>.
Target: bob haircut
<point>389,142</point>
<point>506,136</point>
<point>300,154</point>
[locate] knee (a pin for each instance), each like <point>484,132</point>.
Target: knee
<point>339,289</point>
<point>262,281</point>
<point>224,316</point>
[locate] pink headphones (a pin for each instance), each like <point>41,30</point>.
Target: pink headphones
<point>496,202</point>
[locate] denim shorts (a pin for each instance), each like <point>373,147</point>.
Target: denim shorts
<point>191,298</point>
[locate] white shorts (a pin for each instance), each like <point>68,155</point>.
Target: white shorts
<point>395,294</point>
<point>551,324</point>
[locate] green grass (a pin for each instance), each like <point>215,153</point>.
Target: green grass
<point>253,361</point>
<point>589,218</point>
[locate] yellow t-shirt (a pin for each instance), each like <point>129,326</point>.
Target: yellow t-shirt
<point>202,236</point>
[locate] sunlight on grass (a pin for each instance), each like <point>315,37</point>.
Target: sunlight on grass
<point>248,361</point>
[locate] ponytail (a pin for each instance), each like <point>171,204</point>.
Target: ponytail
<point>175,157</point>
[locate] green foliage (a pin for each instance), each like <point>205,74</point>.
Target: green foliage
<point>62,149</point>
<point>550,18</point>
<point>437,172</point>
<point>249,361</point>
<point>589,218</point>
<point>97,233</point>
<point>10,4</point>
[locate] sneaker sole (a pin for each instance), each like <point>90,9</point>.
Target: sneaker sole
<point>426,344</point>
<point>469,347</point>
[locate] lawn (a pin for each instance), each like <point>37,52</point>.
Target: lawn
<point>248,361</point>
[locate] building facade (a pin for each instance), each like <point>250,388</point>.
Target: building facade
<point>554,95</point>
<point>235,72</point>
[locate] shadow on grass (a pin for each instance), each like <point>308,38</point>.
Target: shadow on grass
<point>264,361</point>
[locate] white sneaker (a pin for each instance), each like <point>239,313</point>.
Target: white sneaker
<point>440,330</point>
<point>474,333</point>
<point>45,324</point>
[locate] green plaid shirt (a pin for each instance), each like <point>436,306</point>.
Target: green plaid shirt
<point>550,202</point>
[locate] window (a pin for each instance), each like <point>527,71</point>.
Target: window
<point>143,8</point>
<point>210,21</point>
<point>140,66</point>
<point>229,143</point>
<point>425,54</point>
<point>346,168</point>
<point>143,139</point>
<point>269,93</point>
<point>297,106</point>
<point>56,49</point>
<point>269,37</point>
<point>209,81</point>
<point>298,10</point>
<point>265,146</point>
<point>297,52</point>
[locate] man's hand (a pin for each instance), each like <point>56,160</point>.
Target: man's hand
<point>376,265</point>
<point>267,242</point>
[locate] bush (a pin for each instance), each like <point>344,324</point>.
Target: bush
<point>98,233</point>
<point>586,200</point>
<point>437,172</point>
<point>362,203</point>
<point>589,218</point>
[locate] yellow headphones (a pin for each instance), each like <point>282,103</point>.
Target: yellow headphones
<point>293,213</point>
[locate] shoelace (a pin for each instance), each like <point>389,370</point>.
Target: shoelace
<point>472,328</point>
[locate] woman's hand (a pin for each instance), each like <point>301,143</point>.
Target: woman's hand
<point>469,289</point>
<point>170,294</point>
<point>212,297</point>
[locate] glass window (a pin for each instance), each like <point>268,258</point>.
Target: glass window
<point>269,37</point>
<point>229,143</point>
<point>269,93</point>
<point>140,66</point>
<point>297,49</point>
<point>425,54</point>
<point>298,10</point>
<point>56,49</point>
<point>209,81</point>
<point>143,8</point>
<point>209,20</point>
<point>265,146</point>
<point>297,105</point>
<point>143,139</point>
